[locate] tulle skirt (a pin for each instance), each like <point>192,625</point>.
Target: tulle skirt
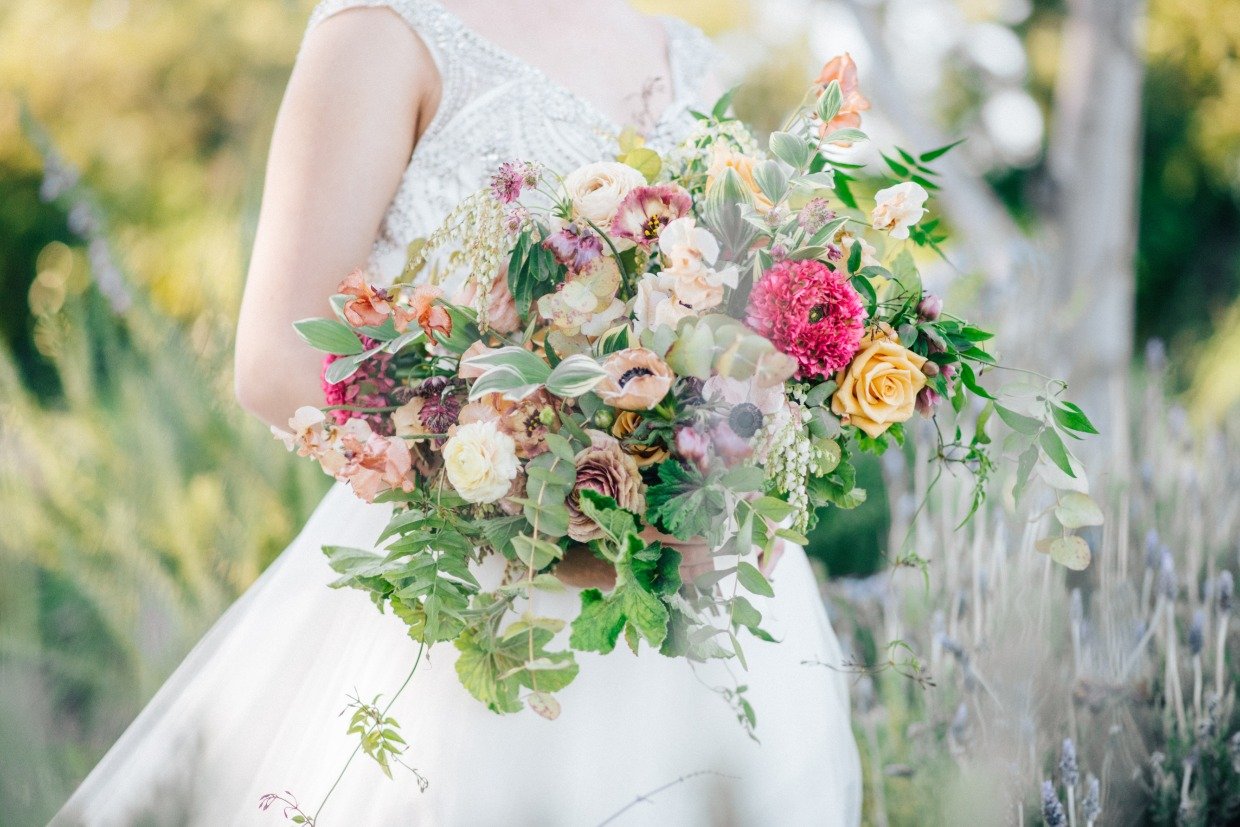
<point>257,708</point>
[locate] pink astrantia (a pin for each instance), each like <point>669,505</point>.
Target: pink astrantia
<point>370,387</point>
<point>809,312</point>
<point>645,211</point>
<point>511,179</point>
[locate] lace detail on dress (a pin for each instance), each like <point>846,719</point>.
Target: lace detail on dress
<point>497,107</point>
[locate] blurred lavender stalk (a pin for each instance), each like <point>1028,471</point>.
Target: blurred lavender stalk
<point>1029,654</point>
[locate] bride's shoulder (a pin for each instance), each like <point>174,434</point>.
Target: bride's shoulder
<point>367,48</point>
<point>388,32</point>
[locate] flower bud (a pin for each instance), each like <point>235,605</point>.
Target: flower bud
<point>930,308</point>
<point>604,419</point>
<point>930,369</point>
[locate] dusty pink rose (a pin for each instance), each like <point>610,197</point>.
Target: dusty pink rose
<point>501,310</point>
<point>605,468</point>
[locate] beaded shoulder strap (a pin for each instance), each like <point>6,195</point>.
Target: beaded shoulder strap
<point>438,31</point>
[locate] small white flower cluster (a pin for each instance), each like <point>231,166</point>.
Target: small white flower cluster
<point>791,456</point>
<point>698,145</point>
<point>478,227</point>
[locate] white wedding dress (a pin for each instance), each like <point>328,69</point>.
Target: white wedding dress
<point>256,707</point>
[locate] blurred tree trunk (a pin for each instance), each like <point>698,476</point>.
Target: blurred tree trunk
<point>1063,299</point>
<point>1095,158</point>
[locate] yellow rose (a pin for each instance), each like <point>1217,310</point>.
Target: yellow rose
<point>879,388</point>
<point>481,461</point>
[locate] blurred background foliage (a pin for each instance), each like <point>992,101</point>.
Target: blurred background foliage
<point>137,501</point>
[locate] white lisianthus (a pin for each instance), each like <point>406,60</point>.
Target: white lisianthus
<point>898,208</point>
<point>481,461</point>
<point>596,190</point>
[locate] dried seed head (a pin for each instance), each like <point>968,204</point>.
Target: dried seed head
<point>1153,549</point>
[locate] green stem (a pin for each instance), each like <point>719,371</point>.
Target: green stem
<point>358,409</point>
<point>421,648</point>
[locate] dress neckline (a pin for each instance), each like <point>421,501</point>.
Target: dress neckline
<point>594,110</point>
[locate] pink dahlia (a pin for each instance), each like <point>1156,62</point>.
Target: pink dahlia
<point>809,312</point>
<point>645,211</point>
<point>370,387</point>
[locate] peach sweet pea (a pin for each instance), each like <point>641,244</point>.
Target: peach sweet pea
<point>841,68</point>
<point>368,305</point>
<point>430,317</point>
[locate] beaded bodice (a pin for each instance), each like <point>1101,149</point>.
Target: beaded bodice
<point>496,107</point>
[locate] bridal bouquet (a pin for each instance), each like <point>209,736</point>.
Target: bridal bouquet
<point>658,348</point>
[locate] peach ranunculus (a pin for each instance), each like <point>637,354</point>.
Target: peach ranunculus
<point>879,387</point>
<point>368,305</point>
<point>500,312</point>
<point>430,316</point>
<point>898,208</point>
<point>723,158</point>
<point>637,380</point>
<point>841,68</point>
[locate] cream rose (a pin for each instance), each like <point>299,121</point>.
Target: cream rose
<point>481,461</point>
<point>879,388</point>
<point>898,208</point>
<point>596,190</point>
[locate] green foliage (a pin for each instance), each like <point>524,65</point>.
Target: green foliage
<point>683,503</point>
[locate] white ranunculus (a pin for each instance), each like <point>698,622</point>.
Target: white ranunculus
<point>596,190</point>
<point>898,208</point>
<point>481,461</point>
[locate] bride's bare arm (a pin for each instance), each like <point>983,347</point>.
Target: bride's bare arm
<point>363,88</point>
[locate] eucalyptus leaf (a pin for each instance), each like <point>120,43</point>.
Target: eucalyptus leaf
<point>329,336</point>
<point>1076,510</point>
